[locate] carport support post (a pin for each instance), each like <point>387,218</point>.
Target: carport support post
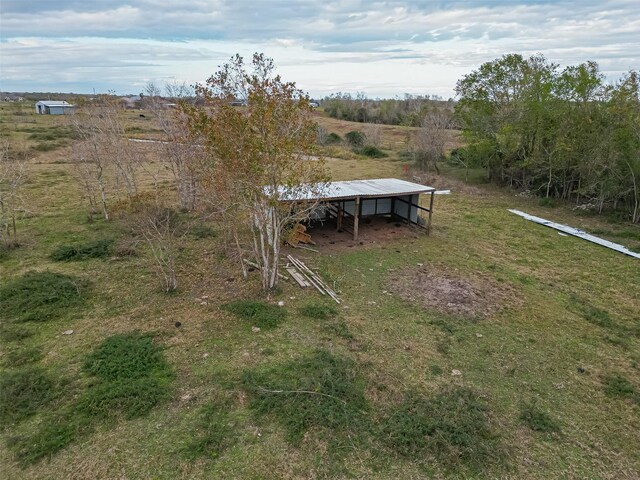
<point>430,212</point>
<point>340,215</point>
<point>356,217</point>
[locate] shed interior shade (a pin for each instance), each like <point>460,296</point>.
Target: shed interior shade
<point>375,188</point>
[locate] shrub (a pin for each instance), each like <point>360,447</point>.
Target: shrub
<point>371,151</point>
<point>538,420</point>
<point>355,138</point>
<point>453,426</point>
<point>316,391</point>
<point>333,139</point>
<point>39,296</point>
<point>22,393</point>
<point>261,314</point>
<point>94,249</point>
<point>318,311</point>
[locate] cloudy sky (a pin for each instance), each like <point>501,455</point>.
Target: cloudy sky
<point>384,48</point>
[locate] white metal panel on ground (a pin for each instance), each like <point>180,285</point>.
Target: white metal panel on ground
<point>576,232</point>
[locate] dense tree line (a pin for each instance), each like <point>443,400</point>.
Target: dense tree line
<point>563,133</point>
<point>409,110</point>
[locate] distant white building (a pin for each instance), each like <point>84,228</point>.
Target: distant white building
<point>54,107</point>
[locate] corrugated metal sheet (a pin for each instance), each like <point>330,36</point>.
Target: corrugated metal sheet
<point>375,188</point>
<point>576,232</point>
<point>54,103</point>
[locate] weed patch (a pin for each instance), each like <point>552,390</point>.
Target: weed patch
<point>621,387</point>
<point>94,249</point>
<point>14,333</point>
<point>453,426</point>
<point>318,311</point>
<point>538,420</point>
<point>370,151</point>
<point>339,329</point>
<point>317,391</point>
<point>213,433</point>
<point>23,393</point>
<point>40,296</point>
<point>23,356</point>
<point>260,314</point>
<point>131,376</point>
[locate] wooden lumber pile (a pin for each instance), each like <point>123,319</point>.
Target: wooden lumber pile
<point>305,277</point>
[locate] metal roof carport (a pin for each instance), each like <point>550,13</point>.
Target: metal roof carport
<point>354,199</point>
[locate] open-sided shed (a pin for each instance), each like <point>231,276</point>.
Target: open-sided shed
<point>349,201</point>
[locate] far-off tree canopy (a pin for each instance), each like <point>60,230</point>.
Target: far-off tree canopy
<point>260,139</point>
<point>559,133</point>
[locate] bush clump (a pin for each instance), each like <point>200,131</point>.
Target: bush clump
<point>355,138</point>
<point>22,393</point>
<point>333,139</point>
<point>40,296</point>
<point>319,390</point>
<point>261,314</point>
<point>538,420</point>
<point>85,251</point>
<point>201,231</point>
<point>452,426</point>
<point>371,151</point>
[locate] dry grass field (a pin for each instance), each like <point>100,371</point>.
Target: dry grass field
<point>492,348</point>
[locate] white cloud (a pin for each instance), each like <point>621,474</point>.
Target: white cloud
<point>382,47</point>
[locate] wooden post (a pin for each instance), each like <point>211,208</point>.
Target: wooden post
<point>356,217</point>
<point>340,215</point>
<point>430,212</point>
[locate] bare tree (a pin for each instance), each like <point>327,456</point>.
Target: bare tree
<point>179,151</point>
<point>13,175</point>
<point>373,134</point>
<point>429,141</point>
<point>105,158</point>
<point>163,231</point>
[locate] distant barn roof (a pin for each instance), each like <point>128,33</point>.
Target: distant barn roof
<point>55,103</point>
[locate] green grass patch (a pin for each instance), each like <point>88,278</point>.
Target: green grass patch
<point>14,333</point>
<point>23,356</point>
<point>54,434</point>
<point>23,393</point>
<point>538,420</point>
<point>93,249</point>
<point>338,328</point>
<point>130,377</point>
<point>620,387</point>
<point>318,311</point>
<point>260,314</point>
<point>213,433</point>
<point>40,296</point>
<point>453,426</point>
<point>319,391</point>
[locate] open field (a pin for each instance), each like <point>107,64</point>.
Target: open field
<point>540,378</point>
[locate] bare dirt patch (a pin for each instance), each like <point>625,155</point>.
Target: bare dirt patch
<point>447,291</point>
